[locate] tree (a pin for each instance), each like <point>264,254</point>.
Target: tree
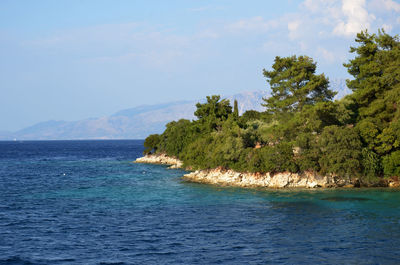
<point>391,164</point>
<point>235,110</point>
<point>177,135</point>
<point>376,70</point>
<point>249,115</point>
<point>278,158</point>
<point>376,89</point>
<point>294,85</point>
<point>302,128</point>
<point>151,143</point>
<point>213,112</point>
<point>340,151</point>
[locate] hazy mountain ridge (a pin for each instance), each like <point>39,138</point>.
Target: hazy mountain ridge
<point>339,85</point>
<point>137,122</point>
<point>133,123</point>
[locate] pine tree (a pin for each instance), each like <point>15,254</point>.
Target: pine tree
<point>294,85</point>
<point>235,110</point>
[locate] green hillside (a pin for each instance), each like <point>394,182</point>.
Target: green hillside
<point>303,129</point>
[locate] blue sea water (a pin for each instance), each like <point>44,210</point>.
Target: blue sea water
<point>85,202</point>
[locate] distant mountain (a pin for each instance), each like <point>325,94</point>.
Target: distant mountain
<point>133,123</point>
<point>249,100</point>
<point>6,135</point>
<point>137,122</point>
<point>339,85</point>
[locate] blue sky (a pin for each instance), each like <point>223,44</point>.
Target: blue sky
<point>70,60</point>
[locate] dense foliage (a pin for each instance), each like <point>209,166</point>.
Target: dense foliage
<point>294,85</point>
<point>303,129</point>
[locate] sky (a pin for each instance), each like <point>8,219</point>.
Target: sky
<point>71,60</point>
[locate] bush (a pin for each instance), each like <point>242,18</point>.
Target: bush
<point>177,136</point>
<point>371,164</point>
<point>340,148</point>
<point>278,158</point>
<point>308,152</point>
<point>391,164</point>
<point>151,143</point>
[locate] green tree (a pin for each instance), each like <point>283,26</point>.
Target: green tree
<point>302,128</point>
<point>212,113</point>
<point>214,107</point>
<point>376,70</point>
<point>340,151</point>
<point>235,110</point>
<point>177,135</point>
<point>315,117</point>
<point>250,115</point>
<point>308,152</point>
<point>151,143</point>
<point>376,89</point>
<point>371,164</point>
<point>391,164</point>
<point>278,158</point>
<point>294,85</point>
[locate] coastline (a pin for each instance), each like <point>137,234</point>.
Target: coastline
<point>219,176</point>
<point>279,180</point>
<point>160,159</point>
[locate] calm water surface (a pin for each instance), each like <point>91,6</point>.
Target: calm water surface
<point>84,202</point>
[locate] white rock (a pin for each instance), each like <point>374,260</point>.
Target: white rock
<point>278,180</point>
<point>160,159</point>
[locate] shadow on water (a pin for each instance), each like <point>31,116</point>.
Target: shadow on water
<point>345,199</point>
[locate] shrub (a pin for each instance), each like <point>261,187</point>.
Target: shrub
<point>340,148</point>
<point>151,143</point>
<point>391,164</point>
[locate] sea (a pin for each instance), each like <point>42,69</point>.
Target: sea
<point>85,202</point>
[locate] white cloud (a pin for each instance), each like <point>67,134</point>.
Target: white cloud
<point>385,5</point>
<point>304,31</point>
<point>312,5</point>
<point>303,46</point>
<point>208,34</point>
<point>387,27</point>
<point>206,8</point>
<point>318,5</point>
<point>199,9</point>
<point>100,33</point>
<point>391,5</point>
<point>293,27</point>
<point>254,24</point>
<point>122,43</point>
<point>325,10</point>
<point>326,55</point>
<point>357,18</point>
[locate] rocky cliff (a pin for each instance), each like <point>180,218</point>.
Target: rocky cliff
<point>221,176</point>
<point>161,159</point>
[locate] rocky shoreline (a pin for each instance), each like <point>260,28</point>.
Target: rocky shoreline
<point>226,177</point>
<point>161,159</point>
<point>221,176</point>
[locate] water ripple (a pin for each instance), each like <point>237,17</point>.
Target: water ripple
<point>106,210</point>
